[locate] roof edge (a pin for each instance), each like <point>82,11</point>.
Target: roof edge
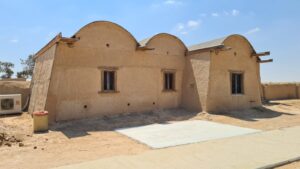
<point>146,41</point>
<point>57,38</point>
<point>242,36</point>
<point>215,43</point>
<point>103,21</point>
<point>205,49</point>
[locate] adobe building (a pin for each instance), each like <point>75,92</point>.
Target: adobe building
<point>104,70</point>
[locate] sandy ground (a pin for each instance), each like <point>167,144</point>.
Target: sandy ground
<point>294,165</point>
<point>257,150</point>
<point>273,115</point>
<point>90,139</point>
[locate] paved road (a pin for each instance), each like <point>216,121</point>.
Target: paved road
<point>248,151</point>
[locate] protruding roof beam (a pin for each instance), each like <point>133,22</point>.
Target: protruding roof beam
<point>225,48</point>
<point>56,39</point>
<point>69,40</point>
<point>261,54</point>
<point>144,48</point>
<point>265,61</point>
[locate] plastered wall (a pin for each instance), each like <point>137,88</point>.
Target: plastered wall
<point>202,79</point>
<point>276,91</point>
<point>75,88</point>
<point>237,59</point>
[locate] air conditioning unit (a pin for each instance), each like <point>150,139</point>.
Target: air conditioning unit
<point>10,104</point>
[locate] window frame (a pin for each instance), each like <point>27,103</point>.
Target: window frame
<point>169,71</point>
<point>242,73</point>
<point>108,69</point>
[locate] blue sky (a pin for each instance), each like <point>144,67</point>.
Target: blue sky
<point>27,25</point>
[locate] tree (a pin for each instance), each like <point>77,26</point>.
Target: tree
<point>22,74</point>
<point>28,67</point>
<point>6,69</point>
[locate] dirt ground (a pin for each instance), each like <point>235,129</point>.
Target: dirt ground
<point>273,115</point>
<point>294,165</point>
<point>89,139</point>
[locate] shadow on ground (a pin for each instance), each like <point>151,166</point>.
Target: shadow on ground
<point>256,113</point>
<point>79,128</point>
<point>268,103</point>
<point>10,115</point>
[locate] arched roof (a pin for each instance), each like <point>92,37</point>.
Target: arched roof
<point>145,42</point>
<point>105,23</point>
<point>142,43</point>
<point>216,43</point>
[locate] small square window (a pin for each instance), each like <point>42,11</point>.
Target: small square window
<point>108,80</point>
<point>237,85</point>
<point>169,81</point>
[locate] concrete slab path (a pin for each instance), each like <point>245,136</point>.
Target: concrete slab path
<point>248,151</point>
<point>185,132</point>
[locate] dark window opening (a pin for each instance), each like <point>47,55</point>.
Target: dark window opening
<point>169,81</point>
<point>108,80</point>
<point>237,83</point>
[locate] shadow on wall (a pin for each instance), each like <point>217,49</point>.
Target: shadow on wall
<point>79,128</point>
<point>190,93</point>
<point>256,113</point>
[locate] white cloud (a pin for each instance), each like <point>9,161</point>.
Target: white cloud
<point>193,24</point>
<point>179,27</point>
<point>254,30</point>
<point>215,14</point>
<point>166,3</point>
<point>235,12</point>
<point>185,28</point>
<point>169,2</point>
<point>14,40</point>
<point>172,2</point>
